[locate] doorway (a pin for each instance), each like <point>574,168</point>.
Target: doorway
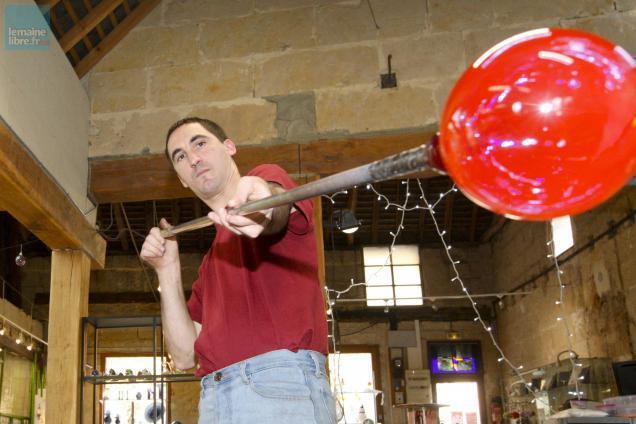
<point>462,399</point>
<point>354,374</point>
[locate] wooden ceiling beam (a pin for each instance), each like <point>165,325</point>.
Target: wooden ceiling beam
<point>87,24</point>
<point>71,12</point>
<point>375,217</point>
<point>34,198</point>
<point>115,36</point>
<point>58,29</point>
<point>152,177</point>
<point>497,224</point>
<point>473,222</point>
<point>126,7</point>
<point>98,27</point>
<point>122,231</point>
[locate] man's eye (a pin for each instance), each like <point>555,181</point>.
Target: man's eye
<point>179,157</point>
<point>201,143</point>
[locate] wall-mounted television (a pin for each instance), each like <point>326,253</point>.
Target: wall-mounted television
<point>453,358</point>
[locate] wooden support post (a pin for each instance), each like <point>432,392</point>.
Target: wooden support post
<point>70,274</point>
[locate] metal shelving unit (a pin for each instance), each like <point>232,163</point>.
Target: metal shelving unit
<point>157,377</point>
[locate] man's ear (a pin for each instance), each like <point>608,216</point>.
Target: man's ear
<point>229,146</point>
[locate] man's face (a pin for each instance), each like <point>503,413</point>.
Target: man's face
<point>202,161</point>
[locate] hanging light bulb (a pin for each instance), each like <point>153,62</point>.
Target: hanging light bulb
<point>30,345</point>
<point>20,260</point>
<point>20,338</point>
<point>386,306</point>
<point>2,329</point>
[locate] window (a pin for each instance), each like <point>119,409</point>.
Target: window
<point>562,234</point>
<point>392,279</point>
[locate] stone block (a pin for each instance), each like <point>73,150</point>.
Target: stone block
<point>295,116</point>
<point>410,18</point>
<point>218,81</point>
<point>249,123</point>
<point>509,12</point>
<point>129,134</point>
<point>309,70</point>
<point>153,19</point>
<point>272,5</point>
<point>117,91</point>
<point>344,23</point>
<point>429,57</point>
<point>459,15</point>
<point>373,109</point>
<point>623,5</point>
<point>441,93</point>
<point>183,11</point>
<point>478,42</point>
<point>261,33</point>
<point>619,28</point>
<point>153,46</point>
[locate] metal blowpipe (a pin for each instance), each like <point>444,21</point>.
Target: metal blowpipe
<point>409,161</point>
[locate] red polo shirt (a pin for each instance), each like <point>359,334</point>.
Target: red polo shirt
<point>253,296</point>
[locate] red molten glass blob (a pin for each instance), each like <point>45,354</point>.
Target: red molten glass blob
<point>543,124</point>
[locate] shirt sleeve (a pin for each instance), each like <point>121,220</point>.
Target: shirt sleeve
<point>301,221</point>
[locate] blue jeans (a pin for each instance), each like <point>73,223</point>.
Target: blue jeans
<point>276,387</point>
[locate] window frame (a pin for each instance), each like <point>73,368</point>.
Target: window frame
<point>391,265</point>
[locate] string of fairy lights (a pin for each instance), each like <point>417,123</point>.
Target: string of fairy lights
<point>332,295</point>
<point>562,317</point>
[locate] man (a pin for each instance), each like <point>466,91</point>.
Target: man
<point>255,318</point>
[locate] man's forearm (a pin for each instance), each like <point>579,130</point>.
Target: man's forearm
<point>280,214</point>
<point>178,328</point>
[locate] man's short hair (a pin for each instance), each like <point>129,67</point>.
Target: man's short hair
<point>211,126</point>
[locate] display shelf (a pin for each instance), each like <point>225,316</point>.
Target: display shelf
<point>155,377</point>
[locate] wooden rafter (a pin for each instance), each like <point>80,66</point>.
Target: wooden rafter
<point>375,218</point>
<point>98,27</point>
<point>34,198</point>
<point>497,224</point>
<point>87,24</point>
<point>152,177</point>
<point>122,231</point>
<point>58,29</point>
<point>175,212</point>
<point>115,36</point>
<point>71,12</point>
<point>473,222</point>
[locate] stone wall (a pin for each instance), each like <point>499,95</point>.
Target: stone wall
<point>362,333</point>
<point>277,71</point>
<point>599,293</point>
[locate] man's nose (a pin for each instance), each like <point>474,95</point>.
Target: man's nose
<point>194,160</point>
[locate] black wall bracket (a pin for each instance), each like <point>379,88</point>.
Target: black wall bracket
<point>388,80</point>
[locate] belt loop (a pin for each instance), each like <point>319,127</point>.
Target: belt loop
<point>316,363</point>
<point>243,372</point>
